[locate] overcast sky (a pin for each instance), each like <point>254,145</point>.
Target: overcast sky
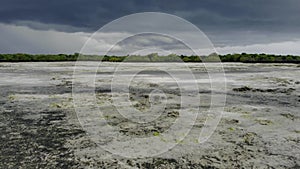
<point>233,26</point>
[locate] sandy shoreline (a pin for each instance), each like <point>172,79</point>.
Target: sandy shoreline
<point>259,126</point>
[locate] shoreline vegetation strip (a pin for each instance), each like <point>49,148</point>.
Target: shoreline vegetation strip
<point>153,57</point>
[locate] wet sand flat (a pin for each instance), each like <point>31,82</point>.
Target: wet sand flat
<point>259,127</point>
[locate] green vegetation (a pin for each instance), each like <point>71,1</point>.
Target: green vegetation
<point>231,128</point>
<point>154,57</point>
<point>11,97</point>
<point>289,116</point>
<point>259,58</point>
<point>249,138</point>
<point>156,133</point>
<point>264,121</point>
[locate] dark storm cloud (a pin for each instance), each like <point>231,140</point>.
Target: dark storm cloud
<point>210,15</point>
<point>227,23</point>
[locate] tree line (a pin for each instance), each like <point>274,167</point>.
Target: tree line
<point>153,57</point>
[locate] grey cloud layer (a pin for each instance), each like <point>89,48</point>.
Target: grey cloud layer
<point>227,23</point>
<point>207,14</point>
<point>25,40</point>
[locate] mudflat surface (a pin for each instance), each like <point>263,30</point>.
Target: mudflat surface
<point>39,127</point>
